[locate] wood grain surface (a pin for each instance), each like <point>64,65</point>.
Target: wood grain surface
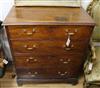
<point>48,16</point>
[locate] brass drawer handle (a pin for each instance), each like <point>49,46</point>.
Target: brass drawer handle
<point>62,74</point>
<point>29,33</point>
<point>65,62</point>
<point>33,74</point>
<point>30,73</point>
<point>72,33</point>
<point>31,59</point>
<point>29,48</point>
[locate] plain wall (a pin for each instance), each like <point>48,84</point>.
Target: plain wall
<point>85,3</point>
<point>5,6</point>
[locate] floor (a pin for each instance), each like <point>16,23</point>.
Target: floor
<point>8,82</point>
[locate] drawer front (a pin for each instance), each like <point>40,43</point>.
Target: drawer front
<point>41,73</point>
<point>73,61</point>
<point>49,32</point>
<point>47,47</point>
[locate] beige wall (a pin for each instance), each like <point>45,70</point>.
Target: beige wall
<point>5,6</point>
<point>85,3</point>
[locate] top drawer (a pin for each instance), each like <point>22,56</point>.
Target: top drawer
<point>49,32</point>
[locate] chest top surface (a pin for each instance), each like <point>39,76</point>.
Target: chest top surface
<point>47,16</point>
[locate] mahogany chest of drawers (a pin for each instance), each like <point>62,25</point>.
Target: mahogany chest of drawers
<point>48,44</point>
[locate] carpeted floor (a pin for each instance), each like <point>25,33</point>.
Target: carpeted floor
<point>8,82</point>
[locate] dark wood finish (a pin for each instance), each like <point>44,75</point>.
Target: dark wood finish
<point>49,32</point>
<point>46,73</point>
<point>47,47</point>
<point>48,44</point>
<point>49,61</point>
<point>71,80</point>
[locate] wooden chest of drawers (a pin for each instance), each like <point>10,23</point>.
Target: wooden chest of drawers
<point>48,44</point>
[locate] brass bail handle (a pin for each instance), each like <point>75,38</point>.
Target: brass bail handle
<point>30,33</point>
